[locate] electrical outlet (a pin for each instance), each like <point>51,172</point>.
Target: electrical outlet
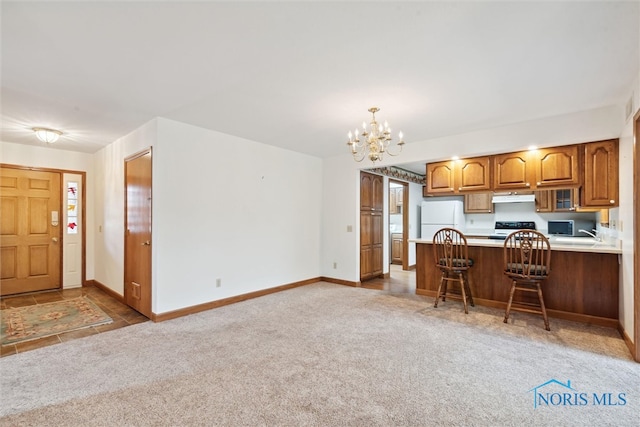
<point>218,282</point>
<point>335,265</point>
<point>349,228</point>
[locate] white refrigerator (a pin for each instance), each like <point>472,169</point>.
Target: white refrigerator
<point>437,214</point>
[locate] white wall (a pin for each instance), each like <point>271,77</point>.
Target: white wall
<point>624,217</point>
<point>415,201</point>
<point>44,157</point>
<point>229,208</point>
<point>108,228</point>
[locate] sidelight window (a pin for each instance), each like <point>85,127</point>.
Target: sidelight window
<point>72,207</point>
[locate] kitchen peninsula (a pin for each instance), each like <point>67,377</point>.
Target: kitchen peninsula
<point>582,285</point>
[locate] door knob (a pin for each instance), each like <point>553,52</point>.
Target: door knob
<point>147,243</point>
<point>54,239</point>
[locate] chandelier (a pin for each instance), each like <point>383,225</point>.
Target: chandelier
<point>375,142</point>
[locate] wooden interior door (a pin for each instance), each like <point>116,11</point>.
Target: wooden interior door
<point>137,264</point>
<point>30,237</point>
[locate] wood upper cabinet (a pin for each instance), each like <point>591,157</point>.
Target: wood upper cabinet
<point>366,187</point>
<point>458,176</point>
<point>557,167</point>
<point>513,171</point>
<point>473,174</point>
<point>440,178</point>
<point>371,225</point>
<point>600,187</point>
<point>544,200</point>
<point>371,192</point>
<point>377,193</point>
<point>478,203</point>
<point>565,200</point>
<point>395,200</point>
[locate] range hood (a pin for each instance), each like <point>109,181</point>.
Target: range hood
<point>513,198</point>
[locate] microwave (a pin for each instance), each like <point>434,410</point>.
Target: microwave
<point>570,227</point>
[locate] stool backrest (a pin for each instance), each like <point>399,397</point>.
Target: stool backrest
<point>527,255</point>
<point>450,249</point>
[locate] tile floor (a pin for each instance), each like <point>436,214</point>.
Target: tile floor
<point>121,314</point>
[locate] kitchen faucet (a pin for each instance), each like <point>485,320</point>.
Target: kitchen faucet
<point>595,236</point>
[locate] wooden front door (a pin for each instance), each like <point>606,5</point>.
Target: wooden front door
<point>30,234</point>
<point>137,264</point>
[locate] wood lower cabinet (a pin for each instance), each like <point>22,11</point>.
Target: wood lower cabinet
<point>600,174</point>
<point>478,203</point>
<point>582,286</point>
<point>371,225</point>
<point>396,248</point>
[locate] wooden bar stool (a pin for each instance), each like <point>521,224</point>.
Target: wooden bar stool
<point>527,262</point>
<point>452,259</point>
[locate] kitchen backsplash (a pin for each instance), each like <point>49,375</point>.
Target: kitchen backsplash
<point>520,212</point>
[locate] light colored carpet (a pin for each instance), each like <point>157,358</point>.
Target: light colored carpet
<point>324,355</point>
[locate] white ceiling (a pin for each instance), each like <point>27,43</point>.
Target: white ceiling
<point>300,75</point>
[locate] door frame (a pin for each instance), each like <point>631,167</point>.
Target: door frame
<point>83,220</point>
<point>405,221</point>
<point>636,238</point>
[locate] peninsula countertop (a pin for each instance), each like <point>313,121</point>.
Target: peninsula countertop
<point>582,286</point>
<point>568,244</point>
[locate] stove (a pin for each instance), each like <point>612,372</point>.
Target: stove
<point>503,228</point>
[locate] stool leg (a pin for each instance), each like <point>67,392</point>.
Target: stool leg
<point>506,313</point>
<point>446,283</point>
<point>544,310</point>
<point>435,304</point>
<point>466,281</point>
<point>464,294</point>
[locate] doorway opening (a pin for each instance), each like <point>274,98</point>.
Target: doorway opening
<point>398,192</point>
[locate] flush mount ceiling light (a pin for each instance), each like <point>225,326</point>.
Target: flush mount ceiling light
<point>376,141</point>
<point>47,135</point>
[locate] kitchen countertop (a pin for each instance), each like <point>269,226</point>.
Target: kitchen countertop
<point>596,247</point>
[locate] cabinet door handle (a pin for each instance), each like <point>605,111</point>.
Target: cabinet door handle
<point>612,201</point>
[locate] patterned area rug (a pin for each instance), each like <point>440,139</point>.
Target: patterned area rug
<point>43,320</point>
